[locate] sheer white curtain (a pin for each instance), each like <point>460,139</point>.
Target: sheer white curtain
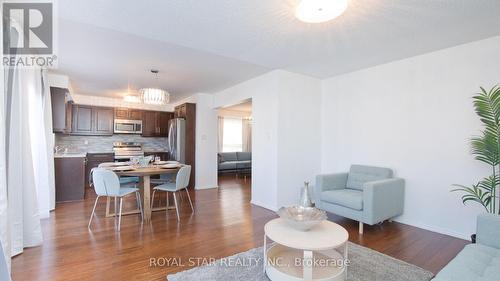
<point>246,135</point>
<point>4,229</point>
<point>220,133</point>
<point>26,180</point>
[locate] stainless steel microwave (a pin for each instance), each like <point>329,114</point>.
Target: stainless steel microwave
<point>123,126</point>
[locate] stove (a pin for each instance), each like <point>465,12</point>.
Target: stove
<point>125,150</point>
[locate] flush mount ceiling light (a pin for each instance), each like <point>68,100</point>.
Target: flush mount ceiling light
<point>154,95</point>
<point>132,99</point>
<point>316,11</point>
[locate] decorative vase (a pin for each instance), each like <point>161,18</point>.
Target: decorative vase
<point>305,197</point>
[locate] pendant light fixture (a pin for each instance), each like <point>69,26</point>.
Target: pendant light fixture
<point>155,96</point>
<point>316,11</point>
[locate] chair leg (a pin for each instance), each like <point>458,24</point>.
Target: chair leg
<point>189,198</point>
<point>360,227</point>
<point>138,197</point>
<point>176,206</point>
<point>153,198</point>
<point>168,201</point>
<point>116,207</point>
<point>120,214</point>
<point>93,211</point>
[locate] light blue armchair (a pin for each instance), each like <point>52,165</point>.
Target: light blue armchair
<point>366,194</point>
<point>480,261</point>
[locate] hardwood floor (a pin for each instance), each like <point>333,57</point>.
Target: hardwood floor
<point>225,223</point>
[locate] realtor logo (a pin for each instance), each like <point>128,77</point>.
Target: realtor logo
<point>28,34</point>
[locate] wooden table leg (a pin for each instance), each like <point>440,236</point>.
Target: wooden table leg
<point>108,202</point>
<point>146,184</point>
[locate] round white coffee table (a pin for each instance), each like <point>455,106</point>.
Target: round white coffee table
<point>317,254</point>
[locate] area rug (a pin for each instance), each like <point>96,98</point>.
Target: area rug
<point>366,265</point>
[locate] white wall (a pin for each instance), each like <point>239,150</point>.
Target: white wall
<point>299,141</point>
<point>416,117</point>
<point>285,126</point>
<point>206,142</point>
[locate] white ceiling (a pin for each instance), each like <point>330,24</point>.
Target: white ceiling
<point>206,46</point>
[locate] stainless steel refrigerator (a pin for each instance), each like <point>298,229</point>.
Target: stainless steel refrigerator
<point>177,139</point>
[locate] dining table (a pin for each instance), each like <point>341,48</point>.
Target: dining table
<point>144,174</point>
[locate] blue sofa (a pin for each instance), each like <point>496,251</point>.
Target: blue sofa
<point>234,161</point>
<point>366,194</point>
<point>480,261</point>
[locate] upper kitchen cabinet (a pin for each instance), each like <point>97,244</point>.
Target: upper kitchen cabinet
<point>61,110</point>
<point>181,111</point>
<point>103,120</point>
<point>149,128</point>
<point>163,122</point>
<point>92,120</point>
<point>155,123</point>
<point>127,113</point>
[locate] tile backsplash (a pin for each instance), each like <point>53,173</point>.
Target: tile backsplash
<point>96,144</point>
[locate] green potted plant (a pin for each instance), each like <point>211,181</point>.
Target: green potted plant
<point>486,148</point>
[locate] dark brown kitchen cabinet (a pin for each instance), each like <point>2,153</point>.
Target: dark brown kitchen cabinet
<point>163,123</point>
<point>121,113</point>
<point>149,128</point>
<point>181,111</point>
<point>61,121</point>
<point>82,119</point>
<point>92,120</point>
<point>187,111</point>
<point>135,114</point>
<point>69,178</point>
<point>93,161</point>
<point>155,123</point>
<point>103,120</point>
<point>128,113</point>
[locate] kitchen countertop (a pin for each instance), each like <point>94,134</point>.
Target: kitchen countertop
<point>69,155</point>
<point>84,154</point>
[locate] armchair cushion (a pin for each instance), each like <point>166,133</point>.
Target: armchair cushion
<point>344,197</point>
<point>328,182</point>
<point>358,175</point>
<point>488,230</point>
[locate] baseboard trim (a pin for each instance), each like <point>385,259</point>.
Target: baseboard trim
<point>265,206</point>
<point>205,187</point>
<point>436,229</point>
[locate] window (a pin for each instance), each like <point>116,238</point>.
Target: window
<point>232,139</point>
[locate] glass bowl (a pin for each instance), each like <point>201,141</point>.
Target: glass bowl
<point>302,218</point>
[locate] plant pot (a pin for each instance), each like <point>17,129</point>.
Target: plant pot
<point>473,238</point>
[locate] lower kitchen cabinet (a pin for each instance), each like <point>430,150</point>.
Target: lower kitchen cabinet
<point>69,178</point>
<point>93,161</point>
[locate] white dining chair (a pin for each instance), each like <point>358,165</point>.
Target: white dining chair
<point>123,179</point>
<point>107,184</point>
<point>181,182</point>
